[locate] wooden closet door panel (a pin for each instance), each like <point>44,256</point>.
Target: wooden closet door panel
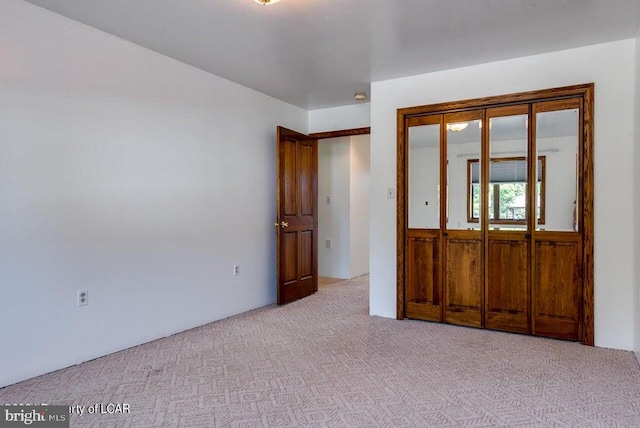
<point>423,277</point>
<point>508,293</point>
<point>463,278</point>
<point>558,242</point>
<point>557,287</point>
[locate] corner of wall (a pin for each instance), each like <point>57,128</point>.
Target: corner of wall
<point>339,118</point>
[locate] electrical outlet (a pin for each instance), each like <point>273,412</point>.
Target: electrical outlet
<point>236,270</point>
<point>82,297</point>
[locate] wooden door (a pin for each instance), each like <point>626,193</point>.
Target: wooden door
<point>423,245</point>
<point>558,242</point>
<point>297,220</point>
<point>463,277</point>
<point>507,296</point>
<point>462,239</point>
<point>508,200</point>
<point>530,273</point>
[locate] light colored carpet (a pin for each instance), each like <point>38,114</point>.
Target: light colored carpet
<point>323,362</point>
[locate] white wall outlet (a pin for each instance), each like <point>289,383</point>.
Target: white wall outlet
<point>236,270</point>
<point>328,199</point>
<point>82,297</point>
<point>327,243</point>
<point>391,193</point>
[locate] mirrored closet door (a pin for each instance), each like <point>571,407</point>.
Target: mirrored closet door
<point>495,213</point>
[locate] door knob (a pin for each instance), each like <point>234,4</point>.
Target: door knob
<point>282,224</point>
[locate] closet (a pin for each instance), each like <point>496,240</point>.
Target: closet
<point>495,213</point>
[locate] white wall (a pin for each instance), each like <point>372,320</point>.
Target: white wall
<point>343,175</point>
<point>334,166</point>
<point>359,213</point>
<point>340,118</point>
<point>130,174</point>
<point>636,194</point>
<point>611,67</point>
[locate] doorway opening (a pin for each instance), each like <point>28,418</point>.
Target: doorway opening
<point>343,205</point>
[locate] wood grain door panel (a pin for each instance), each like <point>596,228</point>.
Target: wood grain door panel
<point>289,260</point>
<point>305,256</point>
<point>297,171</point>
<point>423,276</point>
<point>305,179</point>
<point>288,181</point>
<point>557,286</point>
<point>463,278</point>
<point>507,282</point>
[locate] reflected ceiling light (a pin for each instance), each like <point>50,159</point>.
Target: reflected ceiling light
<point>457,127</point>
<point>360,96</point>
<point>265,2</point>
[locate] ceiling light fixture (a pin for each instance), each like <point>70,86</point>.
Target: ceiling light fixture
<point>265,2</point>
<point>360,96</point>
<point>457,127</point>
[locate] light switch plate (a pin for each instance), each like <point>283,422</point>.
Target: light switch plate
<point>391,193</point>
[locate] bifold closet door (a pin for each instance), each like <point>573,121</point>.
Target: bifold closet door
<point>423,289</point>
<point>557,277</point>
<point>508,213</point>
<point>462,238</point>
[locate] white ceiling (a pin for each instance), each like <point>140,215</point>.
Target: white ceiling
<point>318,53</point>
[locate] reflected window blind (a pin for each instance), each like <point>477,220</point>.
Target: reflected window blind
<point>508,171</point>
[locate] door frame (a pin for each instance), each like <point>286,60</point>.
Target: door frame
<point>352,132</point>
<point>583,91</point>
<point>341,133</point>
<point>281,135</point>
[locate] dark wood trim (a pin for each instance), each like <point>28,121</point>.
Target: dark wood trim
<point>532,150</point>
<point>444,163</point>
<point>498,101</point>
<point>588,328</point>
<point>401,218</point>
<point>341,133</point>
<point>485,160</point>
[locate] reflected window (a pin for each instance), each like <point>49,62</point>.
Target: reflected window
<point>507,190</point>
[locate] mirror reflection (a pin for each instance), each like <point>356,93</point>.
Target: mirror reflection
<point>557,139</point>
<point>424,177</point>
<point>508,169</point>
<point>463,142</point>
